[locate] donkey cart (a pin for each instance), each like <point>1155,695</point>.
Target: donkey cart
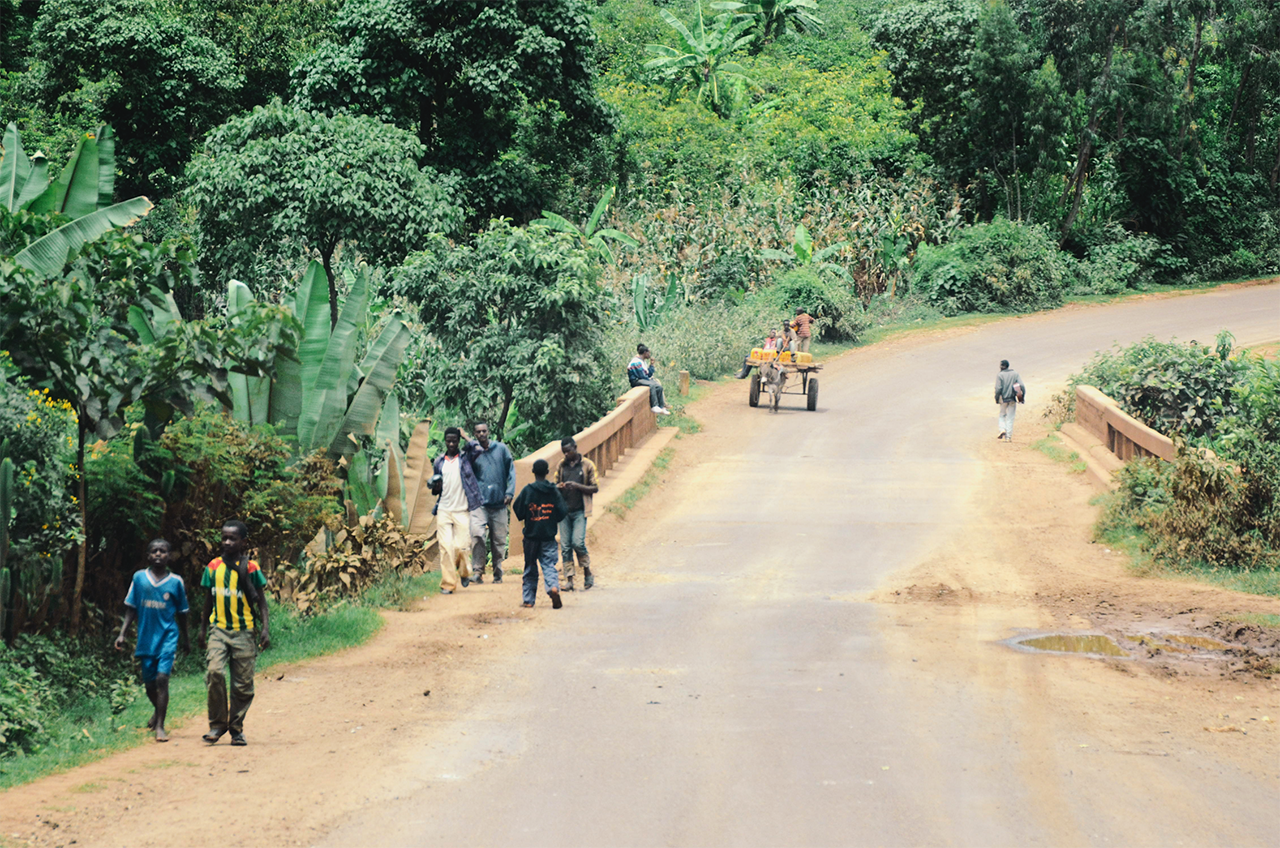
<point>771,374</point>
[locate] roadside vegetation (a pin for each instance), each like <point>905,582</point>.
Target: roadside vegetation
<point>1213,511</point>
<point>247,248</point>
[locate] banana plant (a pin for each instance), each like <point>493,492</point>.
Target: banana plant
<point>772,17</point>
<point>82,191</point>
<point>802,254</point>
<point>701,58</point>
<point>324,397</point>
<point>596,239</point>
<point>651,309</point>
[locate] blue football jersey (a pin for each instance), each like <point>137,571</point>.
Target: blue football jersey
<point>157,605</point>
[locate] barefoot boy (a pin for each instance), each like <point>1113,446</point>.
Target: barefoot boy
<point>157,600</point>
<point>235,605</point>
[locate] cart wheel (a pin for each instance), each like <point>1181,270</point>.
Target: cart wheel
<point>813,393</point>
<point>753,397</point>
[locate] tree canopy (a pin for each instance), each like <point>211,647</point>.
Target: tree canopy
<point>282,181</point>
<point>502,94</point>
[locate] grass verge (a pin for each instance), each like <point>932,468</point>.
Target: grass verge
<point>632,496</point>
<point>86,730</point>
<point>1120,533</point>
<point>1052,447</point>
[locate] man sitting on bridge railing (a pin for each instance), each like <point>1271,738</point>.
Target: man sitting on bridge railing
<point>640,373</point>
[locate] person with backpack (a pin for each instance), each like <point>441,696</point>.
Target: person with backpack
<point>1010,391</point>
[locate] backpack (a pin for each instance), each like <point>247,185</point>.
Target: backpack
<point>1019,392</point>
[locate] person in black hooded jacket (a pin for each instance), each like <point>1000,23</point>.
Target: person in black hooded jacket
<point>541,507</point>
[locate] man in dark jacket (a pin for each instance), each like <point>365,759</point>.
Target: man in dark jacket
<point>496,473</point>
<point>541,508</point>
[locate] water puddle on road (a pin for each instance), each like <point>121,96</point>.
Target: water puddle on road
<point>1202,642</point>
<point>1071,644</point>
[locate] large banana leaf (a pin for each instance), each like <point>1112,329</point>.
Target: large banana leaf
<point>325,399</point>
<point>47,255</point>
<point>387,436</point>
<point>417,471</point>
<point>360,490</point>
<point>75,192</point>
<point>380,368</point>
<point>311,308</point>
<point>106,166</point>
<point>37,180</point>
<point>15,169</point>
<point>250,396</point>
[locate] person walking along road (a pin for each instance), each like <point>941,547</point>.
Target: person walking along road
<point>235,607</point>
<point>541,508</point>
<point>496,473</point>
<point>1010,391</point>
<point>456,510</point>
<point>577,480</point>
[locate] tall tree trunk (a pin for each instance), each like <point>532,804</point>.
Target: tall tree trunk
<point>1075,185</point>
<point>1191,87</point>
<point>1275,170</point>
<point>83,553</point>
<point>1235,102</point>
<point>500,426</point>
<point>326,259</point>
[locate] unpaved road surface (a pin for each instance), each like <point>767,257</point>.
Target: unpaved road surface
<point>800,638</point>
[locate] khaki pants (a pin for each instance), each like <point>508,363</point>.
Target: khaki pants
<point>239,649</point>
<point>453,531</point>
<point>804,344</point>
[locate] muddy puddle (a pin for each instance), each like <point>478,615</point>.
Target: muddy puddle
<point>1060,643</point>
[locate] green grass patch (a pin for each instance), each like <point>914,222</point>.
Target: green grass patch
<point>1258,619</point>
<point>1052,447</point>
<point>396,591</point>
<point>632,496</point>
<point>86,730</point>
<point>687,424</point>
<point>1119,532</point>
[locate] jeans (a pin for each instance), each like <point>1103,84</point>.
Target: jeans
<point>1007,411</point>
<point>493,540</point>
<point>656,397</point>
<point>239,649</point>
<point>573,537</point>
<point>537,554</point>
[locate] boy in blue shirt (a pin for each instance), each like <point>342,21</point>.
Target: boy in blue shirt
<point>157,599</point>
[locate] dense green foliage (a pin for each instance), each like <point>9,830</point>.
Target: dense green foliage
<point>516,317</point>
<point>280,182</point>
<point>1219,509</point>
<point>500,94</point>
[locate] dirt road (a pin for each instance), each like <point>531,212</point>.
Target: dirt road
<point>799,639</point>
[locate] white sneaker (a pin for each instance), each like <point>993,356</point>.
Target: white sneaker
<point>659,410</point>
<point>664,411</point>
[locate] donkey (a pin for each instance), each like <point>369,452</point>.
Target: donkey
<point>774,380</point>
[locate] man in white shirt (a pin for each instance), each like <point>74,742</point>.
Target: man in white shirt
<point>459,497</point>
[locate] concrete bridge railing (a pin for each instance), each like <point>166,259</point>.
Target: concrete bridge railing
<point>1124,435</point>
<point>604,442</point>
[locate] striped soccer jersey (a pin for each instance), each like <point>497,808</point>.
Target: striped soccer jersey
<point>231,609</point>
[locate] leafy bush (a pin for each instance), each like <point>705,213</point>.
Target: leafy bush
<point>839,315</point>
<point>23,695</point>
<point>516,321</point>
<point>708,341</point>
<point>1173,387</point>
<point>226,469</point>
<point>1003,266</point>
<point>1124,263</point>
<point>36,433</point>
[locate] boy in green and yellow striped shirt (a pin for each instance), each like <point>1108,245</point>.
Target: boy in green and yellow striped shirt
<point>235,604</point>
